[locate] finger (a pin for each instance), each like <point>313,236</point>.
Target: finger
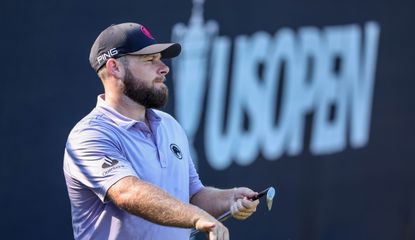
<point>249,205</point>
<point>234,211</point>
<point>244,213</point>
<point>215,233</point>
<point>241,213</point>
<point>239,205</point>
<point>205,226</point>
<point>225,235</point>
<point>222,232</point>
<point>241,217</point>
<point>245,192</point>
<point>212,235</point>
<point>237,208</point>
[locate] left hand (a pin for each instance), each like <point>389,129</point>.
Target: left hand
<point>242,207</point>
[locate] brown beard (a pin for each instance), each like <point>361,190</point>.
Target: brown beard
<point>149,97</point>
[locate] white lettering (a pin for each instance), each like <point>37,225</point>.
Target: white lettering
<point>219,145</point>
<point>275,83</point>
<point>361,85</point>
<point>110,53</point>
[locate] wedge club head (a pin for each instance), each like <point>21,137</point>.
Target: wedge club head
<point>270,197</point>
<point>269,193</point>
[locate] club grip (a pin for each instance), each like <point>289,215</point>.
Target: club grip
<point>259,195</point>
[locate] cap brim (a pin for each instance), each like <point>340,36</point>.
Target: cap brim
<point>167,50</point>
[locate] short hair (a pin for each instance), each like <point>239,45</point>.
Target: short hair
<point>102,73</point>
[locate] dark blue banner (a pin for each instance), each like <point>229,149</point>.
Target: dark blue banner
<point>313,98</point>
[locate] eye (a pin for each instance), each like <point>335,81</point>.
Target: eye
<point>149,59</point>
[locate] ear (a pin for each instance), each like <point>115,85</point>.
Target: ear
<point>115,68</point>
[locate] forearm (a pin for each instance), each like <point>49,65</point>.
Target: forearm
<point>147,201</point>
<point>214,201</point>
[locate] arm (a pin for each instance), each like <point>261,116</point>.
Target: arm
<point>218,201</point>
<point>150,202</point>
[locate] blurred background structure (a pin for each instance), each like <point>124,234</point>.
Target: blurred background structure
<point>312,97</point>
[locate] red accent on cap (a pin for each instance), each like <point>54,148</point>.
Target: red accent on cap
<point>146,32</point>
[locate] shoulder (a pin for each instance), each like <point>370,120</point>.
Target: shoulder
<point>95,125</point>
<point>162,114</point>
<point>169,121</point>
<point>165,117</point>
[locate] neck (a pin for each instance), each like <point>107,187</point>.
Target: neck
<point>126,107</point>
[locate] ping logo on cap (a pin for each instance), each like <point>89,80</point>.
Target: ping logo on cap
<point>110,53</point>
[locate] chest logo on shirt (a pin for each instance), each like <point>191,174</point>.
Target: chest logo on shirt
<point>176,150</point>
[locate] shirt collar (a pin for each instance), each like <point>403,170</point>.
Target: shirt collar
<point>121,120</point>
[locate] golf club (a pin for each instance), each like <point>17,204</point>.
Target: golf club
<point>269,193</point>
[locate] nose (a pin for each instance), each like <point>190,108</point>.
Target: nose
<point>163,69</point>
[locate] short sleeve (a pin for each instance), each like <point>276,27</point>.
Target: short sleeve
<point>94,158</point>
<point>195,185</point>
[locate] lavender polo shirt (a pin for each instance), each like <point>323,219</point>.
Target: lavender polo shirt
<point>106,146</point>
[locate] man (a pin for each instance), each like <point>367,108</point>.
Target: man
<point>127,166</point>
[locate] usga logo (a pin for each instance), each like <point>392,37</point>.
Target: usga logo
<point>106,55</point>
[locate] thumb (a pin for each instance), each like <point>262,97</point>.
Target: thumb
<point>204,225</point>
<point>245,192</point>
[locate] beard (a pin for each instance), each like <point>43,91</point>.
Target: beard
<point>149,97</point>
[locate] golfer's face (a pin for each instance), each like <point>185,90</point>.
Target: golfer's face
<point>144,80</point>
<point>148,69</point>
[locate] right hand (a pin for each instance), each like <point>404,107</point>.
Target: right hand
<point>215,229</point>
